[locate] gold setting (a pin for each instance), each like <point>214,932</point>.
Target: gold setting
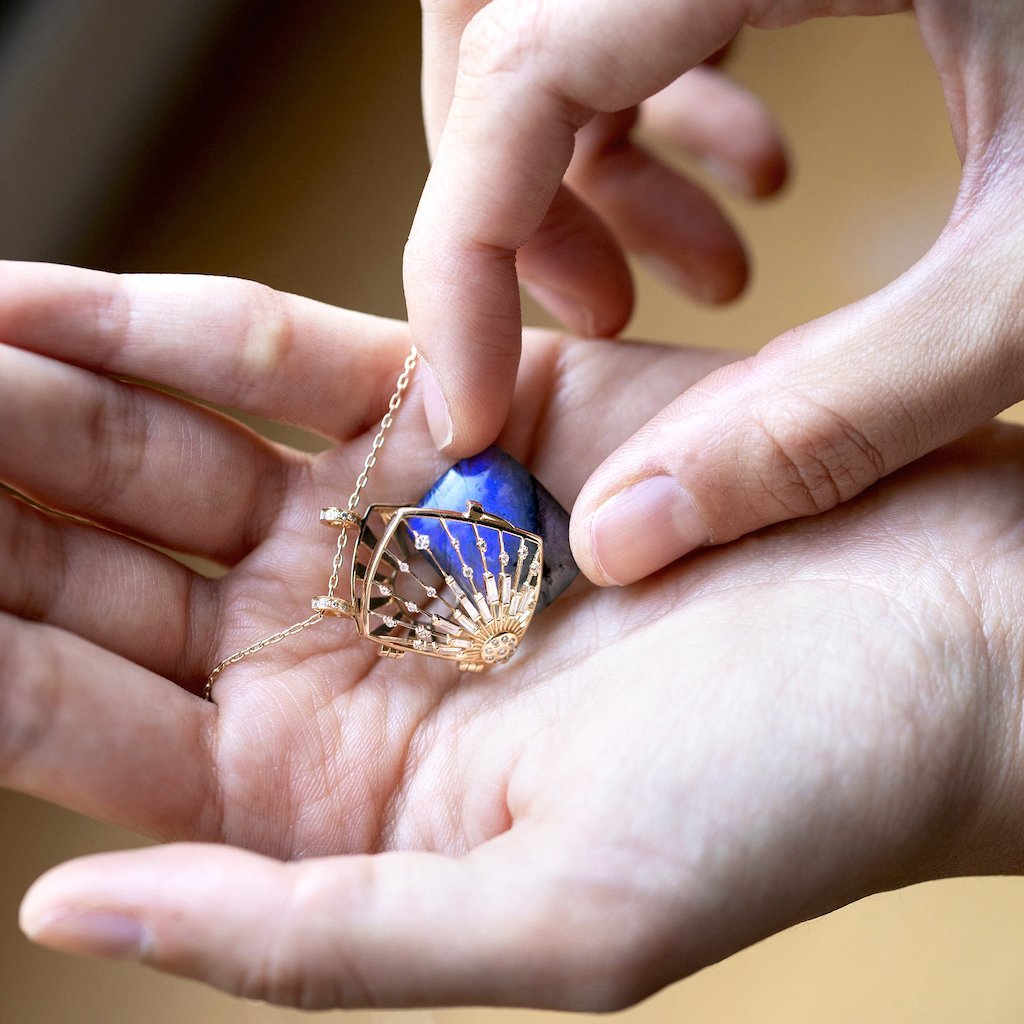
<point>406,601</point>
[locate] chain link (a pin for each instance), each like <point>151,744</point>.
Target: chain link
<point>276,638</point>
<point>339,552</point>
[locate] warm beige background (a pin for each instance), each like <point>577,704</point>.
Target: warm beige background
<point>297,160</point>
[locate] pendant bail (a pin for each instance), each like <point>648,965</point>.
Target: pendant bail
<point>333,606</point>
<point>339,518</point>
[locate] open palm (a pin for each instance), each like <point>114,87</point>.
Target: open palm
<point>661,776</point>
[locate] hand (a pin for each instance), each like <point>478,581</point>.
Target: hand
<point>658,779</point>
<point>515,88</point>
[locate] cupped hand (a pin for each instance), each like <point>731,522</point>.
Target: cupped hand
<point>660,777</point>
<point>528,97</point>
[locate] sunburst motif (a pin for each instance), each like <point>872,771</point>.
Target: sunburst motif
<point>457,586</point>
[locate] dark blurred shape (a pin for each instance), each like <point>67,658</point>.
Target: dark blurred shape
<point>295,158</point>
<point>83,83</point>
<point>11,11</point>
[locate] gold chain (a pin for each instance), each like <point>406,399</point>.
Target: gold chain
<point>339,553</point>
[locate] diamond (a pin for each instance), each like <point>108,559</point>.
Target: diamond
<point>498,649</point>
<point>503,558</point>
<point>403,566</point>
<point>339,517</point>
<point>390,621</point>
<point>482,545</point>
<point>422,542</point>
<point>422,632</point>
<point>332,605</point>
<point>431,592</point>
<point>412,606</point>
<point>467,571</point>
<point>384,589</point>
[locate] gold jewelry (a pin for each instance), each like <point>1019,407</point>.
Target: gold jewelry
<point>404,591</point>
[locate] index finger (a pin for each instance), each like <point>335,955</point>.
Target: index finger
<point>226,341</point>
<point>443,24</point>
<point>531,73</point>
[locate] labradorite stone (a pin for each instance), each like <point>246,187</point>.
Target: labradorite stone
<point>506,488</point>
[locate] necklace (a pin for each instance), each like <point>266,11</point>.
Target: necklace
<point>461,586</point>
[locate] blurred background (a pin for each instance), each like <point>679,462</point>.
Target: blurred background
<point>282,142</point>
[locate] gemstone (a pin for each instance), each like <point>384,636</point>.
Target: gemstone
<point>422,542</point>
<point>500,648</point>
<point>505,488</point>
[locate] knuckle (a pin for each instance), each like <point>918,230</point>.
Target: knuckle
<point>34,560</point>
<point>815,458</point>
<point>29,691</point>
<point>291,984</point>
<point>560,233</point>
<point>113,317</point>
<point>452,11</point>
<point>117,429</point>
<point>499,39</point>
<point>268,341</point>
<point>418,264</point>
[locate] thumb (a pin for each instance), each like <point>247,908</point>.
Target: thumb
<point>818,415</point>
<point>389,929</point>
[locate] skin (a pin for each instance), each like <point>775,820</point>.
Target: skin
<point>659,778</point>
<point>536,177</point>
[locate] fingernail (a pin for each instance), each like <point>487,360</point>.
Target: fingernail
<point>703,289</point>
<point>89,932</point>
<point>570,311</point>
<point>728,174</point>
<point>643,528</point>
<point>439,420</point>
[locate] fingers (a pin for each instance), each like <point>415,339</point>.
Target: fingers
<point>229,342</point>
<point>138,460</point>
<point>665,219</point>
<point>393,929</point>
<point>573,264</point>
<point>724,127</point>
<point>559,264</point>
<point>521,94</point>
<point>82,727</point>
<point>819,414</point>
<point>443,24</point>
<point>105,589</point>
<point>658,214</point>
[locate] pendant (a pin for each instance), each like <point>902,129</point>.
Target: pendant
<point>506,488</point>
<point>461,586</point>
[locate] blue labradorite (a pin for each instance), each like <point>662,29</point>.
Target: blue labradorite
<point>506,488</point>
